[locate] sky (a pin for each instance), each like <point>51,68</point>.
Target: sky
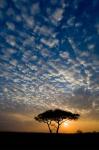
<point>49,58</point>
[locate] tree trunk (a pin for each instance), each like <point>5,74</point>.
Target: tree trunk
<point>49,128</point>
<point>57,128</point>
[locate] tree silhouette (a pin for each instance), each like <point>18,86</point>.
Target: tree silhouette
<point>54,118</point>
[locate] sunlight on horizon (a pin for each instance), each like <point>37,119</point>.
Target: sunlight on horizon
<point>66,123</point>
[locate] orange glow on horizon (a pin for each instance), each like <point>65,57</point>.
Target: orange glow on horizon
<point>26,123</point>
<point>84,126</point>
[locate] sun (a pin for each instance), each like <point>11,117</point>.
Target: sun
<point>66,124</point>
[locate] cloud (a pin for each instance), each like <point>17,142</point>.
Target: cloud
<point>64,55</point>
<point>57,16</point>
<point>50,42</point>
<point>20,122</point>
<point>35,9</point>
<point>91,46</point>
<point>10,25</point>
<point>45,30</point>
<point>70,21</point>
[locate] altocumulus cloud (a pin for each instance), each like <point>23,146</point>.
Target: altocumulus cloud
<point>49,55</point>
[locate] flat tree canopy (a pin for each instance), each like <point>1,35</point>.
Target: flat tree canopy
<point>58,116</point>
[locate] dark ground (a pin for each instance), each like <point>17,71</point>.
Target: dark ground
<point>49,141</point>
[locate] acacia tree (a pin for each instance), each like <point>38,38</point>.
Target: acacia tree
<point>54,118</point>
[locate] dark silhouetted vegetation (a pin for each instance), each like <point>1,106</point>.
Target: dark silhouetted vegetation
<point>35,141</point>
<point>54,118</point>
